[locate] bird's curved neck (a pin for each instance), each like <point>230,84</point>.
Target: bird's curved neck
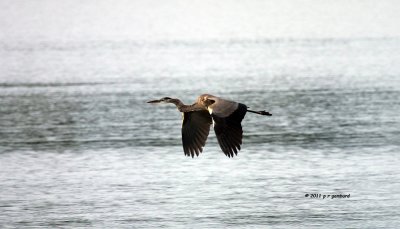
<point>177,103</point>
<point>187,108</point>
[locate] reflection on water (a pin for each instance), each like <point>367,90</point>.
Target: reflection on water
<point>75,153</point>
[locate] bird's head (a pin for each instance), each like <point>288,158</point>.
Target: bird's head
<point>207,100</point>
<point>162,100</point>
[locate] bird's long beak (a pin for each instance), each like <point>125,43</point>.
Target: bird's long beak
<point>154,101</point>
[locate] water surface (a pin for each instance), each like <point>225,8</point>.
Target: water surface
<point>79,147</point>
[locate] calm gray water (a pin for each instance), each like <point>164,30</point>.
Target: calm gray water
<point>79,146</point>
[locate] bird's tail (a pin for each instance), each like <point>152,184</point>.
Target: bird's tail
<point>261,112</point>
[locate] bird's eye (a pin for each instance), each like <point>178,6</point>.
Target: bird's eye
<point>165,98</point>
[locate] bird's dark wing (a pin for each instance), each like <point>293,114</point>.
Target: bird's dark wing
<point>195,129</point>
<point>229,130</point>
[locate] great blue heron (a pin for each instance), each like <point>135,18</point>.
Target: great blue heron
<point>226,116</point>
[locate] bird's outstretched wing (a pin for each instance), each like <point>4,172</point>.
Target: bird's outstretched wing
<point>229,130</point>
<point>195,129</point>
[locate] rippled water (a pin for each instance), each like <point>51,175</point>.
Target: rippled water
<point>79,147</point>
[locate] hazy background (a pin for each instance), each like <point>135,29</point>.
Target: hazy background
<point>79,147</point>
<point>197,20</point>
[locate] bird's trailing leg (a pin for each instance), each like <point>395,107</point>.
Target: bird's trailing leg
<point>260,112</point>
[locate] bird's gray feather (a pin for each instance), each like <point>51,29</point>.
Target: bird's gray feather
<point>229,130</point>
<point>195,129</point>
<point>222,107</point>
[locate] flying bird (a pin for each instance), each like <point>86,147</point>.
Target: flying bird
<point>225,115</point>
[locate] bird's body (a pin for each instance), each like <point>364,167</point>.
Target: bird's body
<point>225,115</point>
